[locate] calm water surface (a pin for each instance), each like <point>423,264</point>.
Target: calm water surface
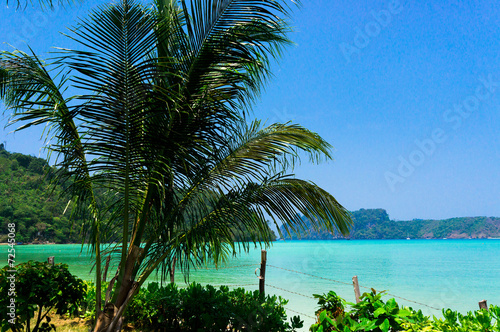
<point>453,274</point>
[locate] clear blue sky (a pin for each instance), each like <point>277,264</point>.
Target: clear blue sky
<point>408,93</point>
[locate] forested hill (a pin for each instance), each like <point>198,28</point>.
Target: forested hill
<point>37,208</point>
<point>375,224</point>
<point>25,198</point>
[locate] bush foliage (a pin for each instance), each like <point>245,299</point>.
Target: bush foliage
<point>373,314</point>
<point>203,308</point>
<point>35,289</point>
<point>40,288</point>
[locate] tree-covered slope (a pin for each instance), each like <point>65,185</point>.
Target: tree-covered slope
<point>375,224</point>
<point>27,200</point>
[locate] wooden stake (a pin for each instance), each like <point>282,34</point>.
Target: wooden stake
<point>51,260</point>
<point>108,259</point>
<point>483,305</point>
<point>262,277</point>
<point>356,288</point>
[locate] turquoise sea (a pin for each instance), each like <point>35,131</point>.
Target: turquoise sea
<point>436,274</point>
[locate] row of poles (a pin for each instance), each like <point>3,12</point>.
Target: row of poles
<point>355,283</point>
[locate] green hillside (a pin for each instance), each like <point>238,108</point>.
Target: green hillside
<point>37,208</point>
<point>375,224</point>
<point>25,198</point>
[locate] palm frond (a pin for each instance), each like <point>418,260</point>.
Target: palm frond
<point>223,47</point>
<point>34,98</point>
<point>234,192</point>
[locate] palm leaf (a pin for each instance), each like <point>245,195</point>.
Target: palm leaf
<point>239,186</point>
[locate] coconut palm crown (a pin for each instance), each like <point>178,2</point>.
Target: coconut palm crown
<point>155,122</point>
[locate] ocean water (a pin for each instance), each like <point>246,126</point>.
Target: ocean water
<point>424,274</point>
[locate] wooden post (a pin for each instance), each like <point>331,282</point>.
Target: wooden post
<point>356,288</point>
<point>50,260</point>
<point>172,271</point>
<point>483,305</point>
<point>262,277</point>
<point>108,259</point>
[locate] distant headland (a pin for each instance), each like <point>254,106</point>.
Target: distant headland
<point>375,224</point>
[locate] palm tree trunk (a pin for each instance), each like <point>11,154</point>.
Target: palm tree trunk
<point>98,284</point>
<point>111,318</point>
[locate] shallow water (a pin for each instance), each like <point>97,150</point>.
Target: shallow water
<point>453,274</point>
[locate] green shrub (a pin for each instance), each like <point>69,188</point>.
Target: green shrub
<point>373,314</point>
<point>155,307</point>
<point>370,314</point>
<point>87,306</point>
<point>199,308</point>
<point>452,321</point>
<point>37,287</point>
<point>330,302</point>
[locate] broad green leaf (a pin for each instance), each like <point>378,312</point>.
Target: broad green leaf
<point>379,312</point>
<point>404,312</point>
<point>385,325</point>
<point>391,305</point>
<point>367,324</point>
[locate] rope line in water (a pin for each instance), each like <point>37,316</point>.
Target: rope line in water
<point>231,285</point>
<point>310,275</point>
<point>310,297</point>
<point>345,283</point>
<point>300,313</point>
<point>402,298</point>
<point>226,267</point>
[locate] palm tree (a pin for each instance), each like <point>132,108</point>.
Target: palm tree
<point>158,124</point>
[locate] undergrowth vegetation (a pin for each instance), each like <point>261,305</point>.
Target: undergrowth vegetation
<point>31,291</point>
<point>41,290</point>
<point>203,308</point>
<point>373,314</point>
